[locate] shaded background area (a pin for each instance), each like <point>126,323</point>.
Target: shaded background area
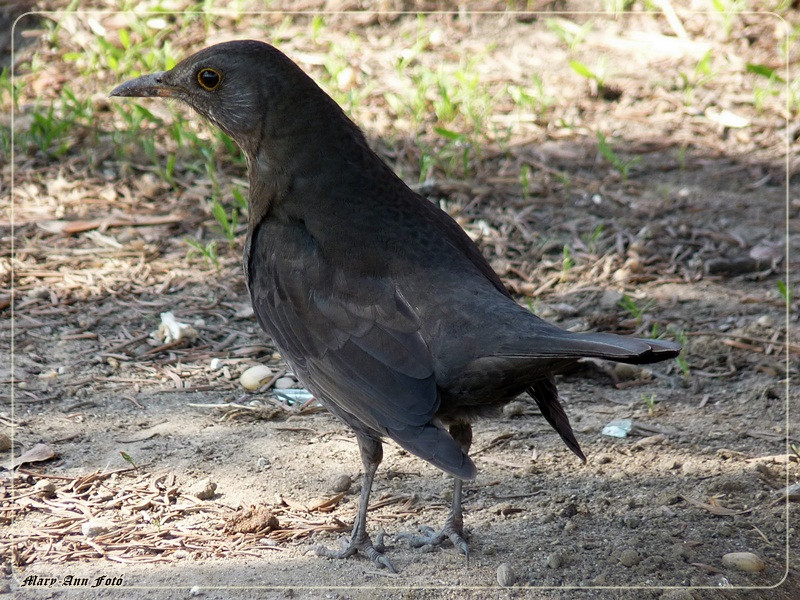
<point>624,171</point>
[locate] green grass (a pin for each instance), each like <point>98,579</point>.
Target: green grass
<point>728,12</point>
<point>592,239</point>
<point>569,32</point>
<point>567,261</point>
<point>650,401</point>
<point>128,459</point>
<point>207,251</point>
<point>785,291</point>
<point>622,166</point>
<point>228,222</point>
<point>702,74</point>
<point>533,97</point>
<point>617,7</point>
<point>681,337</point>
<point>636,311</point>
<point>769,84</point>
<point>584,71</point>
<point>525,180</point>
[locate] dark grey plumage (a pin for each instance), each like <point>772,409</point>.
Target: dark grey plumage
<point>381,304</point>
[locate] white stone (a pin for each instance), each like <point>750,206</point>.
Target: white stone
<point>254,377</point>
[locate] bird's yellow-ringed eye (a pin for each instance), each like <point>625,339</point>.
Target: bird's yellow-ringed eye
<point>209,79</point>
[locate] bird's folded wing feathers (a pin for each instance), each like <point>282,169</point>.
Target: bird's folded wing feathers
<point>366,355</point>
<point>359,343</point>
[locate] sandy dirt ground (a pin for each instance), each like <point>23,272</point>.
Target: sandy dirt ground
<point>148,464</point>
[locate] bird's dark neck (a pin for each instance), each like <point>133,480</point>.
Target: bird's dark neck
<point>302,162</point>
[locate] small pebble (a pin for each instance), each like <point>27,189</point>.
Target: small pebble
<point>631,521</point>
<point>284,383</point>
<point>45,487</point>
<point>204,489</point>
<point>570,510</point>
<point>630,557</point>
<point>667,511</point>
<point>634,265</point>
<point>610,299</point>
<point>570,526</point>
<point>682,552</point>
<point>95,527</point>
<point>103,496</point>
<point>652,440</point>
<point>505,575</point>
<point>5,442</point>
<point>744,561</point>
<point>254,377</point>
<point>622,275</point>
<point>725,530</point>
<point>196,591</point>
<point>765,321</point>
<point>341,483</point>
<point>625,372</point>
<point>555,560</point>
<point>565,310</point>
<point>514,409</point>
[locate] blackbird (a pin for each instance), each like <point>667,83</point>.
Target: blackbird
<point>380,303</point>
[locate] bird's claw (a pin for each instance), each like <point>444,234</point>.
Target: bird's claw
<point>434,538</point>
<point>373,551</point>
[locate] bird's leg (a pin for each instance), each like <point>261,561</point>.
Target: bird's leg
<point>453,529</point>
<point>371,456</point>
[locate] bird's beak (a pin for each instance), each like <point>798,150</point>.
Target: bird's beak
<point>145,87</point>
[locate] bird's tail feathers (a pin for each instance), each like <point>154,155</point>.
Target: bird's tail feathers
<point>608,346</point>
<point>545,393</point>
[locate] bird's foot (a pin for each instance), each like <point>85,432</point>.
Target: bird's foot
<point>373,551</point>
<point>454,533</point>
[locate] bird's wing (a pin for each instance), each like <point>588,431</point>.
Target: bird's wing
<point>355,340</point>
<point>362,346</point>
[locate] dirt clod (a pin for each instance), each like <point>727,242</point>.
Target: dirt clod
<point>506,576</point>
<point>95,527</point>
<point>203,489</point>
<point>630,557</point>
<point>341,483</point>
<point>556,559</point>
<point>256,519</point>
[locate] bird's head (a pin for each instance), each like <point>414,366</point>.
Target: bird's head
<point>232,84</point>
<point>284,123</point>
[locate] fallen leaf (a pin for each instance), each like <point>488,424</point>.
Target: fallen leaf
<point>39,453</point>
<point>324,504</point>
